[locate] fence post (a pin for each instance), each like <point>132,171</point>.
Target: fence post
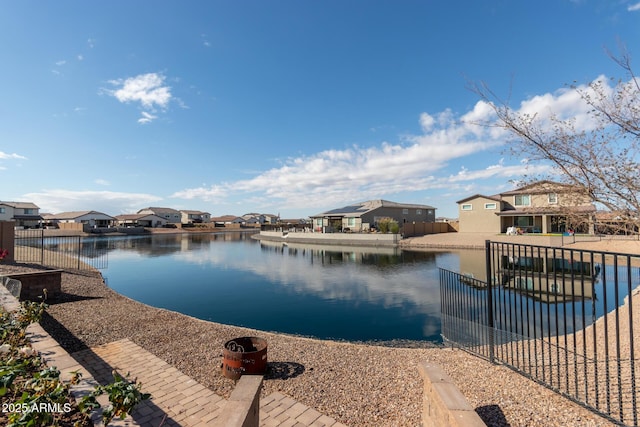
<point>487,250</point>
<point>8,239</point>
<point>42,246</point>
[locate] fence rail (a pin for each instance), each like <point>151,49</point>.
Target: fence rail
<point>562,317</point>
<point>68,252</point>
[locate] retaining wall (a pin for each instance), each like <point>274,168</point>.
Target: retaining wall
<point>372,239</point>
<point>443,403</point>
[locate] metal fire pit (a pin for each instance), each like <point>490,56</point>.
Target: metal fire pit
<point>244,355</point>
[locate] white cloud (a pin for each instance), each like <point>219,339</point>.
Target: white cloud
<point>148,89</point>
<point>215,193</point>
<point>4,156</point>
<point>357,173</point>
<point>498,170</point>
<point>634,7</point>
<point>146,118</point>
<point>101,181</point>
<point>414,163</point>
<point>109,202</point>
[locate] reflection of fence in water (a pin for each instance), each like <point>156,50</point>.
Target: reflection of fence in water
<point>560,336</point>
<point>69,252</point>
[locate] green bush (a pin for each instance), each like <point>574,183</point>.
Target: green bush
<point>386,225</point>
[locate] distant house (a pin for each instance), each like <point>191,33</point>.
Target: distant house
<point>90,219</point>
<point>362,216</point>
<point>258,218</point>
<point>25,214</point>
<point>221,221</point>
<point>542,207</point>
<point>194,217</point>
<point>140,220</point>
<point>172,216</point>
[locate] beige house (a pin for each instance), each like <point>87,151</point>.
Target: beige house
<point>195,217</point>
<point>542,207</point>
<point>25,214</point>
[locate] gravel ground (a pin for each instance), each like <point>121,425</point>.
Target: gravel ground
<point>357,384</point>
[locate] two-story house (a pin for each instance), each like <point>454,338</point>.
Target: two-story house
<point>541,207</point>
<point>195,217</point>
<point>172,216</point>
<point>25,214</point>
<point>362,216</point>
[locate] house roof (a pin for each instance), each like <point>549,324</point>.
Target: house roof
<point>74,214</point>
<point>541,187</point>
<point>20,205</point>
<point>226,218</point>
<point>364,207</point>
<point>134,217</point>
<point>158,210</point>
<point>476,196</point>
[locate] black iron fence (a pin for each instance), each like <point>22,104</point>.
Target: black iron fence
<point>67,252</point>
<point>563,317</point>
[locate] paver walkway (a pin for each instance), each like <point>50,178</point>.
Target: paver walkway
<point>179,400</point>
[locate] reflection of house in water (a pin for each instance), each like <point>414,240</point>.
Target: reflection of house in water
<point>379,256</point>
<point>473,265</point>
<point>549,278</point>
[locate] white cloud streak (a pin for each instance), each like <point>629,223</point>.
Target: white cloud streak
<point>634,7</point>
<point>13,156</point>
<point>332,177</point>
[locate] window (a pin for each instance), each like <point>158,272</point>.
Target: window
<point>523,221</point>
<point>29,212</point>
<point>430,212</point>
<point>351,222</point>
<point>3,210</point>
<point>418,211</point>
<point>405,211</point>
<point>491,206</point>
<point>553,198</point>
<point>467,207</point>
<point>523,200</point>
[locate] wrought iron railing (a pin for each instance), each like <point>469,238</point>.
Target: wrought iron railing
<point>563,317</point>
<point>67,252</point>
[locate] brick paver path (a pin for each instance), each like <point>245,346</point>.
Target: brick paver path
<point>177,399</point>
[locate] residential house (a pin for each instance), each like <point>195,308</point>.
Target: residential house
<point>25,214</point>
<point>258,218</point>
<point>221,221</point>
<point>172,216</point>
<point>363,216</point>
<point>140,220</point>
<point>541,207</point>
<point>195,217</point>
<point>91,219</point>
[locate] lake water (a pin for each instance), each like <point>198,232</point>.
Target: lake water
<point>348,293</point>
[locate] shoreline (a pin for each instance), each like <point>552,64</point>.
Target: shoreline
<point>358,384</point>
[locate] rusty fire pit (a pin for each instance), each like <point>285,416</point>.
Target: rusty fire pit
<point>244,355</point>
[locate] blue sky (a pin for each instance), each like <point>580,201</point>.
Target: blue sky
<point>290,107</point>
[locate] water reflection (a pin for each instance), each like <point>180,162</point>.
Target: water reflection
<point>353,293</point>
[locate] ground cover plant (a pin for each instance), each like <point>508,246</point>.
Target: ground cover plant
<point>32,394</point>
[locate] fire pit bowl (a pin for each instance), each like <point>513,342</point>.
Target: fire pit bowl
<point>244,355</point>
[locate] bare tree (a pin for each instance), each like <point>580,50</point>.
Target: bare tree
<point>598,157</point>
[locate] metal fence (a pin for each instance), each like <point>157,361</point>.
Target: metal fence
<point>66,252</point>
<point>562,317</point>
